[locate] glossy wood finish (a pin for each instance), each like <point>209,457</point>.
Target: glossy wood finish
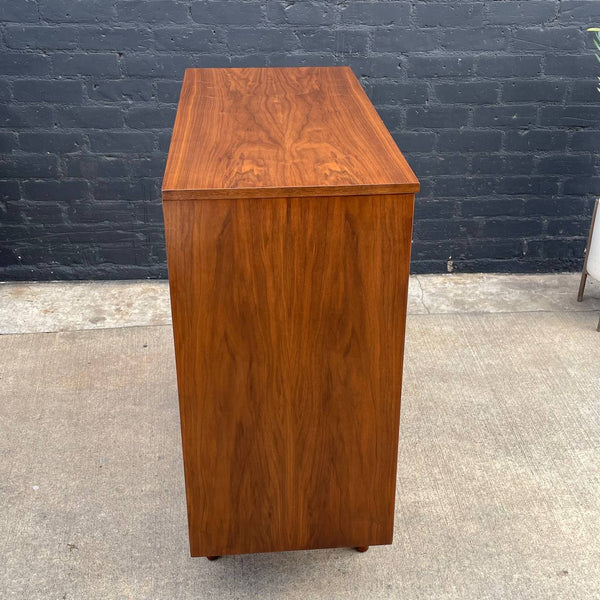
<point>289,318</point>
<point>288,217</point>
<point>259,133</point>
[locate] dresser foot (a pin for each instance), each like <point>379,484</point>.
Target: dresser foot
<point>361,548</point>
<point>213,557</point>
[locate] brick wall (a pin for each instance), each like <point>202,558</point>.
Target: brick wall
<point>493,102</point>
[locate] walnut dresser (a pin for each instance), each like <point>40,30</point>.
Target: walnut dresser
<point>288,215</point>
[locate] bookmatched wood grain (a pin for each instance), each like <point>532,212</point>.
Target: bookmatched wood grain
<point>308,131</point>
<point>289,317</point>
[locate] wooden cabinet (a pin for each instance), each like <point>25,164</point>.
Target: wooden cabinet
<point>288,215</point>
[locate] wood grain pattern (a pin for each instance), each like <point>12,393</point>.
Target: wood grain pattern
<point>289,317</point>
<point>308,131</point>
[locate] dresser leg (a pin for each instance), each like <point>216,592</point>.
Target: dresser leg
<point>361,548</point>
<point>213,557</point>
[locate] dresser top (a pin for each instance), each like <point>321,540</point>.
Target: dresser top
<point>297,131</point>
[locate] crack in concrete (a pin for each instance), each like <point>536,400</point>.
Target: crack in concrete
<point>422,296</point>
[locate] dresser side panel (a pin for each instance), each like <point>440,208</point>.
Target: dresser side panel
<point>289,318</point>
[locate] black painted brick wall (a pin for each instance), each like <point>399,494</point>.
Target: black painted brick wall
<point>493,102</point>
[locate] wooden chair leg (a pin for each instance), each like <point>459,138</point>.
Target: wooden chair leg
<point>582,285</point>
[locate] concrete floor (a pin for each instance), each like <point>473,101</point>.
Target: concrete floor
<point>498,492</point>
